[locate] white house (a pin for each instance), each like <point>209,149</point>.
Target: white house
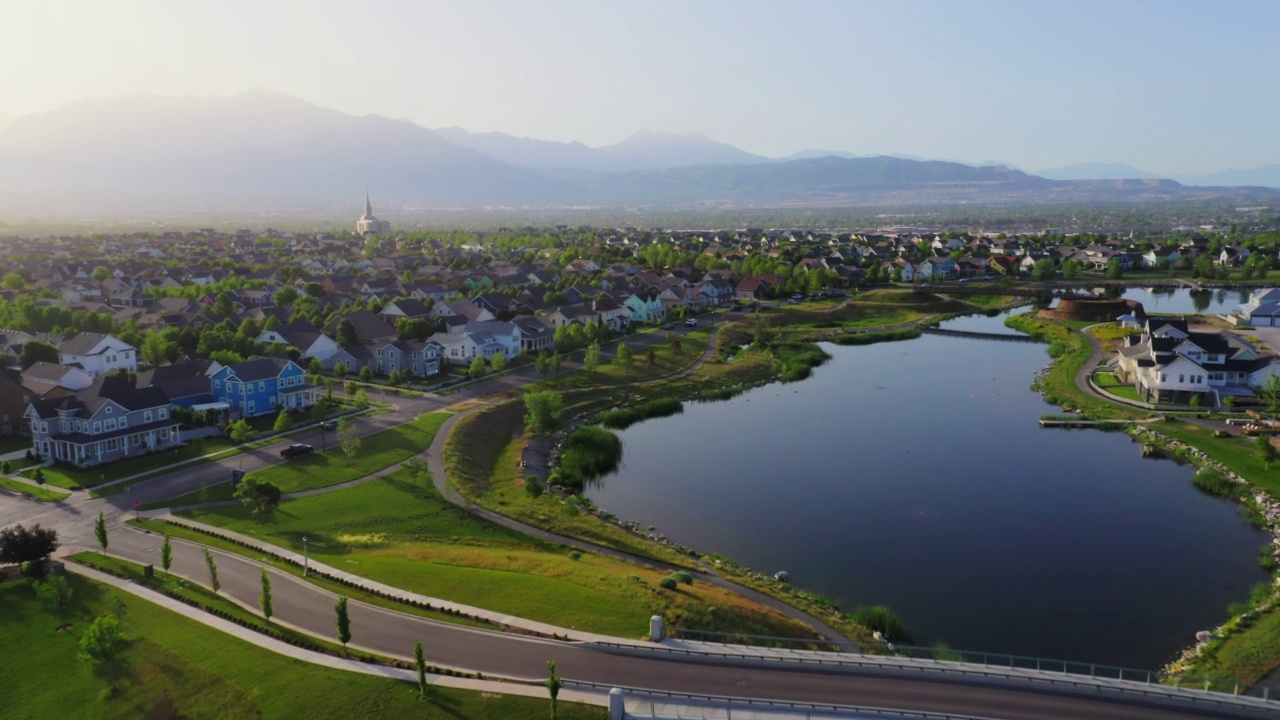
<point>98,354</point>
<point>304,336</point>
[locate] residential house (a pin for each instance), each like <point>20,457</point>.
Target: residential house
<point>43,378</point>
<point>304,336</point>
<point>185,383</point>
<point>369,327</point>
<point>97,354</point>
<point>645,306</point>
<point>263,386</point>
<point>1170,363</point>
<point>107,421</point>
<point>420,358</point>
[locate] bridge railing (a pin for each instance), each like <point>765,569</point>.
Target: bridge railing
<point>693,706</point>
<point>974,657</point>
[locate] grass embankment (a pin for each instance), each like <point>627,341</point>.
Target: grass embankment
<point>669,358</point>
<point>1239,455</point>
<point>870,338</point>
<point>1245,656</point>
<point>377,452</point>
<point>177,667</point>
<point>399,531</point>
<point>43,494</point>
<point>1071,351</point>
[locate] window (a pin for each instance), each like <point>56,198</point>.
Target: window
<point>251,408</point>
<point>108,408</point>
<point>164,433</point>
<point>146,416</point>
<point>97,427</point>
<point>1180,378</point>
<point>262,387</point>
<point>217,384</point>
<point>109,425</point>
<point>124,422</point>
<point>164,413</point>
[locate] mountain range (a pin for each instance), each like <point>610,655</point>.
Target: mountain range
<point>272,149</point>
<point>1265,176</point>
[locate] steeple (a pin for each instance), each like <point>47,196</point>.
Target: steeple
<point>368,206</point>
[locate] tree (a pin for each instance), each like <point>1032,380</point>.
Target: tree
<point>556,359</point>
<point>340,369</point>
<point>13,281</point>
<point>1269,392</point>
<point>361,399</point>
<point>347,333</point>
<point>420,662</point>
<point>18,545</point>
<point>542,363</point>
<point>623,356</point>
<point>284,421</point>
<point>54,593</point>
<point>1043,269</point>
<point>477,368</point>
<point>1266,451</point>
<point>285,296</point>
<point>166,554</point>
<point>100,531</point>
<point>100,274</point>
<point>591,358</point>
<point>260,496</point>
<point>366,373</point>
<point>344,623</point>
<point>103,641</point>
<point>34,351</point>
<point>542,410</point>
<point>650,358</point>
<point>223,305</point>
<point>348,439</point>
<point>239,431</point>
<point>315,367</point>
<point>1114,270</point>
<point>212,564</point>
<point>320,410</point>
<point>554,683</point>
<point>38,476</point>
<point>499,362</point>
<point>264,599</point>
<point>157,348</point>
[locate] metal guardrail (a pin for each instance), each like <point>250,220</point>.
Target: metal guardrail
<point>986,659</point>
<point>1029,676</point>
<point>810,710</point>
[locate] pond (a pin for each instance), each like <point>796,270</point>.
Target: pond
<point>914,474</point>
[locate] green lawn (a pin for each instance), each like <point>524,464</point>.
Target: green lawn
<point>175,666</point>
<point>1237,454</point>
<point>1104,378</point>
<point>73,479</point>
<point>378,451</point>
<point>1246,656</point>
<point>1126,392</point>
<point>397,530</point>
<point>13,443</point>
<point>44,494</point>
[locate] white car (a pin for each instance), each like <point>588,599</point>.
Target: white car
<point>691,322</point>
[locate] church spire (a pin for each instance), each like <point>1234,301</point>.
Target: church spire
<point>368,206</point>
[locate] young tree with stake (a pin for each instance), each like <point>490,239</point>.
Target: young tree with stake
<point>166,554</point>
<point>100,531</point>
<point>420,662</point>
<point>264,599</point>
<point>554,684</point>
<point>209,562</point>
<point>344,623</point>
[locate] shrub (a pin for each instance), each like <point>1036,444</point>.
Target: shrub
<point>532,487</point>
<point>683,576</point>
<point>668,583</point>
<point>575,555</point>
<point>882,619</point>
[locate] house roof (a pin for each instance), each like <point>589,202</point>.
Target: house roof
<point>105,389</point>
<point>258,369</point>
<point>81,343</point>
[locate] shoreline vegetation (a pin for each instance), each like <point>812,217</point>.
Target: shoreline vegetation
<point>1246,646</point>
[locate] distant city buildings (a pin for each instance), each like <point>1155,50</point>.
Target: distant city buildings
<point>370,225</point>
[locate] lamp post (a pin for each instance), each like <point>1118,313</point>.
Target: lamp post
<point>306,564</point>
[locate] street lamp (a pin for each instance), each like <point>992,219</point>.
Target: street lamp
<point>305,562</point>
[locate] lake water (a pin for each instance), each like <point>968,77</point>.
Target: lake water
<point>1214,302</point>
<point>914,474</point>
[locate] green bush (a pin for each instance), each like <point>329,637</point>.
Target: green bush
<point>1215,483</point>
<point>884,620</point>
<point>532,487</point>
<point>683,576</point>
<point>668,583</point>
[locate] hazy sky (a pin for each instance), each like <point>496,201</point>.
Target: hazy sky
<point>1168,86</point>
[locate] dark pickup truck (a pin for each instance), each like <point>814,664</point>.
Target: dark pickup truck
<point>296,450</point>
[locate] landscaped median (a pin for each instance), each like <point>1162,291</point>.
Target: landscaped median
<point>173,666</point>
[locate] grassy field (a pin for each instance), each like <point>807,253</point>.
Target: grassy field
<point>1237,454</point>
<point>1059,384</point>
<point>43,494</point>
<point>1244,657</point>
<point>669,358</point>
<point>399,531</point>
<point>176,667</point>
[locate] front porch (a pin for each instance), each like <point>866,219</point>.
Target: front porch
<point>83,452</point>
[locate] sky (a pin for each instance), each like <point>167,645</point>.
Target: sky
<point>1169,86</point>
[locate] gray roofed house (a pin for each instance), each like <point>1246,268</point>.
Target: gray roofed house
<point>369,327</point>
<point>106,421</point>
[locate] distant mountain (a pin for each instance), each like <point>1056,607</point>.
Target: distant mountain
<point>811,154</point>
<point>529,152</point>
<point>648,150</point>
<point>1096,171</point>
<point>253,144</point>
<point>819,180</point>
<point>271,152</point>
<point>1265,176</point>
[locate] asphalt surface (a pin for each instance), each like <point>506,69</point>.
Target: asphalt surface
<point>311,609</point>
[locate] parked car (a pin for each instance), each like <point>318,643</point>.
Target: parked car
<point>329,424</point>
<point>296,450</point>
<point>691,322</point>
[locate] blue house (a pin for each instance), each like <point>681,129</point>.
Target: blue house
<point>263,386</point>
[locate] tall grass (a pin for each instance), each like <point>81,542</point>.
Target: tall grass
<point>869,338</point>
<point>1213,482</point>
<point>628,416</point>
<point>881,618</point>
<point>797,360</point>
<point>589,452</point>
